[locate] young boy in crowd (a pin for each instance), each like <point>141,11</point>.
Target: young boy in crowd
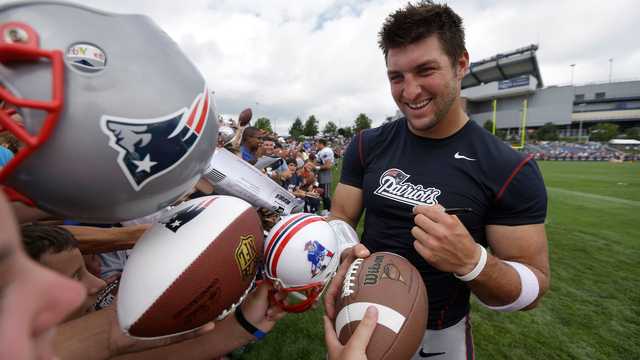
<point>55,248</point>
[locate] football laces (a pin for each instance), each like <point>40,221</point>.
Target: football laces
<point>350,278</point>
<point>233,306</point>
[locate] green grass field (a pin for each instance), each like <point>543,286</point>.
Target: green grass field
<point>593,308</point>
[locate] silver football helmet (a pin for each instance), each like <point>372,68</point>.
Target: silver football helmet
<point>117,121</point>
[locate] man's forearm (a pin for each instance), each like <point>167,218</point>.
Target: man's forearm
<point>86,338</point>
<point>95,240</point>
<point>227,336</point>
<point>500,284</point>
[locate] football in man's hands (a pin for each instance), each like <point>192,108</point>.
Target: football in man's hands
<point>193,266</point>
<point>245,116</point>
<point>394,286</point>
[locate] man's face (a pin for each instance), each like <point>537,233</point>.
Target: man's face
<point>70,263</point>
<point>268,147</point>
<point>33,299</point>
<point>423,83</point>
<point>253,142</point>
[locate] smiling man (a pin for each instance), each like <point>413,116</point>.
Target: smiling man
<point>405,173</point>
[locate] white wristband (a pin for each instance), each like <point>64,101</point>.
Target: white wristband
<point>479,266</point>
<point>529,289</point>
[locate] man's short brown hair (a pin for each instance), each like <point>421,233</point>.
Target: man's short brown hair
<point>414,23</point>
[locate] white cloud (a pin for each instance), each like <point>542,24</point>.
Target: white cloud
<point>289,58</point>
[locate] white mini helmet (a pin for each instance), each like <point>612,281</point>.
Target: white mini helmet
<point>301,257</point>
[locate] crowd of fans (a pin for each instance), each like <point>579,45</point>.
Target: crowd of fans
<point>589,151</point>
<point>95,254</point>
<point>303,167</point>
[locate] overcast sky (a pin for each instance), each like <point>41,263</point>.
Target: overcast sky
<point>288,59</point>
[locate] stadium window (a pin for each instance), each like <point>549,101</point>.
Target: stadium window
<point>600,95</point>
<point>579,97</point>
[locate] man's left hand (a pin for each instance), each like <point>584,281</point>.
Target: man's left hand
<point>443,241</point>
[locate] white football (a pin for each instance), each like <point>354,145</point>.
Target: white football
<point>193,266</point>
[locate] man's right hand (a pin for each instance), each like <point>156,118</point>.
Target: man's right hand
<point>332,293</point>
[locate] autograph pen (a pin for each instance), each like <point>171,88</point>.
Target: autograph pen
<point>458,211</point>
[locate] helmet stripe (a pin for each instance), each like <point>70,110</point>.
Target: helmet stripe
<point>280,234</point>
<point>287,236</point>
<point>194,110</point>
<point>282,228</point>
<point>203,115</point>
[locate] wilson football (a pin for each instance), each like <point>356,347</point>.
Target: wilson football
<point>394,286</point>
<point>193,266</point>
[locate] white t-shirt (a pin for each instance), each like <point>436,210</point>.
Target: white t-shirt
<point>325,155</point>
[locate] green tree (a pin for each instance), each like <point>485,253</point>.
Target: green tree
<point>633,133</point>
<point>264,123</point>
<point>296,129</point>
<point>311,126</point>
<point>547,132</point>
<point>362,122</point>
<point>604,132</point>
<point>346,131</point>
<point>501,134</point>
<point>330,129</point>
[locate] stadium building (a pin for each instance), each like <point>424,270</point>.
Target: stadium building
<point>508,89</point>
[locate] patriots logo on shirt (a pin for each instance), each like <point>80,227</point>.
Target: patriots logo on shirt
<point>180,218</point>
<point>149,148</point>
<point>394,186</point>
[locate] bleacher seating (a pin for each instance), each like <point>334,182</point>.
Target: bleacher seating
<point>590,151</point>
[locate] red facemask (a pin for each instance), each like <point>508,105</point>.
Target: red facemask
<point>23,46</point>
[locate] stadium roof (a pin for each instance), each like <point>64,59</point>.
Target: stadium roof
<point>504,66</point>
<point>624,142</point>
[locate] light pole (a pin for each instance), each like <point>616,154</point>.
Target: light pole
<point>572,68</point>
<point>581,110</point>
<point>610,68</point>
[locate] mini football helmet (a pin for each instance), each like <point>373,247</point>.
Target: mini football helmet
<point>301,259</point>
<point>226,134</point>
<point>114,118</point>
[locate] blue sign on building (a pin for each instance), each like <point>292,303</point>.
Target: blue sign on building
<point>514,82</point>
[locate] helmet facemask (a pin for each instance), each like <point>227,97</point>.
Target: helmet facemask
<point>299,298</point>
<point>19,43</point>
<point>300,259</point>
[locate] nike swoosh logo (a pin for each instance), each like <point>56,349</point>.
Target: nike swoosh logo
<point>426,355</point>
<point>458,156</point>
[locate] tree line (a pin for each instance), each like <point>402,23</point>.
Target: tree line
<point>311,127</point>
<point>550,132</point>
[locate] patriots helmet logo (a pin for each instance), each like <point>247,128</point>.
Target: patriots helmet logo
<point>318,256</point>
<point>180,218</point>
<point>148,148</point>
